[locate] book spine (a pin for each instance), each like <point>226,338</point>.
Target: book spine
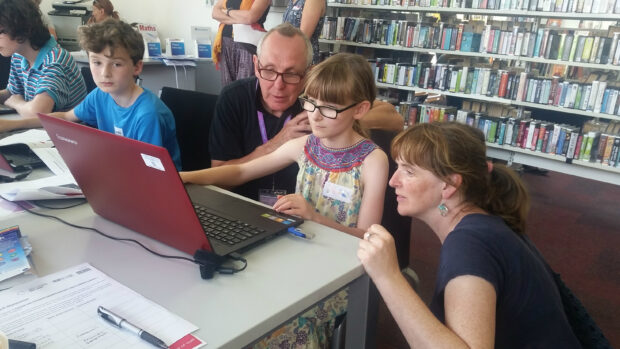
<point>554,139</point>
<point>578,147</point>
<point>598,102</point>
<point>572,144</point>
<point>608,147</point>
<point>615,153</point>
<point>588,152</point>
<point>584,143</point>
<point>602,143</point>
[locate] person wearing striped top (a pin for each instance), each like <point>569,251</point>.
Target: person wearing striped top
<point>43,76</point>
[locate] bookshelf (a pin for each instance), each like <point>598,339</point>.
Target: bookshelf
<point>539,68</point>
<point>610,67</point>
<point>483,12</point>
<point>503,101</point>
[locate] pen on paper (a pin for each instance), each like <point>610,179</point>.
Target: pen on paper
<point>120,322</point>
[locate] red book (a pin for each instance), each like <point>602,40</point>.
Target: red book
<point>578,147</point>
<point>541,137</point>
<point>491,40</point>
<point>503,84</point>
<point>413,115</point>
<point>524,127</point>
<point>459,37</point>
<point>443,38</point>
<point>546,139</point>
<point>554,86</point>
<point>535,136</point>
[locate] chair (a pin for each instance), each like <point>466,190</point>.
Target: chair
<point>399,226</point>
<point>5,69</point>
<point>88,79</point>
<point>193,112</point>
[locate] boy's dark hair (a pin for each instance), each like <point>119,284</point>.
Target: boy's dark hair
<point>112,33</point>
<point>21,21</point>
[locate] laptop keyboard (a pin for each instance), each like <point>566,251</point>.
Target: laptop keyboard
<point>225,230</point>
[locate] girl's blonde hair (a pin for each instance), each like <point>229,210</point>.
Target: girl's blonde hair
<point>344,78</point>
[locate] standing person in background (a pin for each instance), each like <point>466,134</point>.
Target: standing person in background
<point>493,288</point>
<point>234,59</point>
<point>102,10</point>
<point>307,15</point>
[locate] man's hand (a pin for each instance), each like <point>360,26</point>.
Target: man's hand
<point>294,128</point>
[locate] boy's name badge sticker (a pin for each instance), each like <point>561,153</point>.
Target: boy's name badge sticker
<point>337,192</point>
<point>153,162</point>
<point>118,131</point>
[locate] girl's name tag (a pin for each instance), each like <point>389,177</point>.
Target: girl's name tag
<point>337,192</point>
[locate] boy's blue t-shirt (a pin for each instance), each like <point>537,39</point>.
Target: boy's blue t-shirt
<point>148,119</point>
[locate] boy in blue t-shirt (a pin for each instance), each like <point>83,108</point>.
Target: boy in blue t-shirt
<point>118,105</point>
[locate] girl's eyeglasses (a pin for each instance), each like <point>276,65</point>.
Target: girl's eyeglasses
<point>325,110</point>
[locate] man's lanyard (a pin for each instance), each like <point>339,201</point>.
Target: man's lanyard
<point>261,121</point>
<point>261,125</point>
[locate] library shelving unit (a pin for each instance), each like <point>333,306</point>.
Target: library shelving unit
<point>559,163</point>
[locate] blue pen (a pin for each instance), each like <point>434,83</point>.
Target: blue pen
<point>297,232</point>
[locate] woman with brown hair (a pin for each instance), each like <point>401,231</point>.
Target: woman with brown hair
<point>102,10</point>
<point>493,289</point>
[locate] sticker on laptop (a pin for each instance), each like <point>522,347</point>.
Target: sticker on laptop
<point>152,162</point>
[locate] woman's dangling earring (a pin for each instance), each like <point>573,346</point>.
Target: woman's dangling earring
<point>443,209</point>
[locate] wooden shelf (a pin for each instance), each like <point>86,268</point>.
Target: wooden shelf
<point>483,98</point>
<point>485,12</point>
<point>473,54</point>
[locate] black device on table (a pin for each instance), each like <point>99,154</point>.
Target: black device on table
<point>17,160</point>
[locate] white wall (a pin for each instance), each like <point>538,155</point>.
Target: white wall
<point>173,18</point>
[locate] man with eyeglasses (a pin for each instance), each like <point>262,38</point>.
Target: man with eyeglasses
<point>255,116</point>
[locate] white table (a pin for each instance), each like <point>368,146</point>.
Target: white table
<point>284,277</point>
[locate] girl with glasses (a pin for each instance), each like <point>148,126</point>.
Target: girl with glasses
<point>342,174</point>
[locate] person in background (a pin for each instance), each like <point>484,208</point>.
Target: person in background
<point>493,289</point>
<point>118,105</point>
<point>43,76</point>
<point>255,116</point>
<point>234,59</point>
<point>102,10</point>
<point>307,15</point>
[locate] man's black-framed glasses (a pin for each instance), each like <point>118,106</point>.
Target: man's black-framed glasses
<point>325,110</point>
<point>272,75</point>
